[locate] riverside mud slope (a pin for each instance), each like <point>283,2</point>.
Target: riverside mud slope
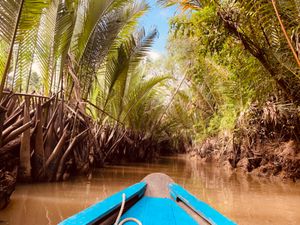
<point>277,159</point>
<point>265,143</point>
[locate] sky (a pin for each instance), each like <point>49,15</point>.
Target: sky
<point>158,17</point>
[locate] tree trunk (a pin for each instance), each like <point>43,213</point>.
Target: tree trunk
<point>2,118</point>
<point>25,164</point>
<point>39,153</point>
<point>51,163</point>
<point>289,84</point>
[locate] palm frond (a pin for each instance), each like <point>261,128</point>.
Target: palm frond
<point>130,54</point>
<point>8,14</point>
<point>139,89</point>
<point>44,47</point>
<point>102,40</point>
<point>26,41</point>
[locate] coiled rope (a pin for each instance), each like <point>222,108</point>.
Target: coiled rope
<point>121,212</point>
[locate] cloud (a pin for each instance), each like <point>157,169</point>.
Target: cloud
<point>36,68</point>
<point>153,55</point>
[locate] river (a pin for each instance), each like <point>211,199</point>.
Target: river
<point>245,199</point>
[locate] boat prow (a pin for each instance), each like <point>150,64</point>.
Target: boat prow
<point>156,200</point>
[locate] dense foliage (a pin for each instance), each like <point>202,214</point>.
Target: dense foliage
<point>239,54</point>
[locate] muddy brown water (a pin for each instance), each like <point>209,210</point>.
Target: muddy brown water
<point>245,199</point>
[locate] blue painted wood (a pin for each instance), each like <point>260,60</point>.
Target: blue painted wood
<point>200,207</point>
<point>158,211</point>
<point>101,209</point>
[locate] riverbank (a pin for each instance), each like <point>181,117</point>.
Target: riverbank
<point>265,142</point>
<point>269,160</point>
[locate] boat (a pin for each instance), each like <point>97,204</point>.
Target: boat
<point>156,200</point>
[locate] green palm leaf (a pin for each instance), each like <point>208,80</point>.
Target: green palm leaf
<point>102,39</point>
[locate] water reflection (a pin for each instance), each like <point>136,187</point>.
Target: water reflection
<point>245,199</point>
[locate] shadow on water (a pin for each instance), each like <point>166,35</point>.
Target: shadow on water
<point>245,199</point>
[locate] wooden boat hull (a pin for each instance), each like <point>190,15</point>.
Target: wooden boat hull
<point>156,200</point>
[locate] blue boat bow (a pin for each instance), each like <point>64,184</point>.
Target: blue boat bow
<point>157,200</point>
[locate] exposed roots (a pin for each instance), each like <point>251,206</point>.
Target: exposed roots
<point>49,139</point>
<point>264,143</point>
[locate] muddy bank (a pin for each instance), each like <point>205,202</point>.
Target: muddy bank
<point>7,186</point>
<point>265,142</point>
<point>274,159</point>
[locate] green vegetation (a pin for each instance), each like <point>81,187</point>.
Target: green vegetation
<point>234,47</point>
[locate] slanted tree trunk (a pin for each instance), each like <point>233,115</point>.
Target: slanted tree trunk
<point>25,154</point>
<point>2,118</point>
<point>285,79</point>
<point>39,152</point>
<point>52,161</point>
<point>62,162</point>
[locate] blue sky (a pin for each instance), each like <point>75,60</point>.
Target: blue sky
<point>158,17</point>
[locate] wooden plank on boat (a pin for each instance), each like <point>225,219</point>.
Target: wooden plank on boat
<point>210,214</point>
<point>95,212</point>
<point>158,185</point>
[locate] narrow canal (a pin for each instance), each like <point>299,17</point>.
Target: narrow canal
<point>245,199</point>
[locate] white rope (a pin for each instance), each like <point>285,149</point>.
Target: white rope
<point>121,212</point>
